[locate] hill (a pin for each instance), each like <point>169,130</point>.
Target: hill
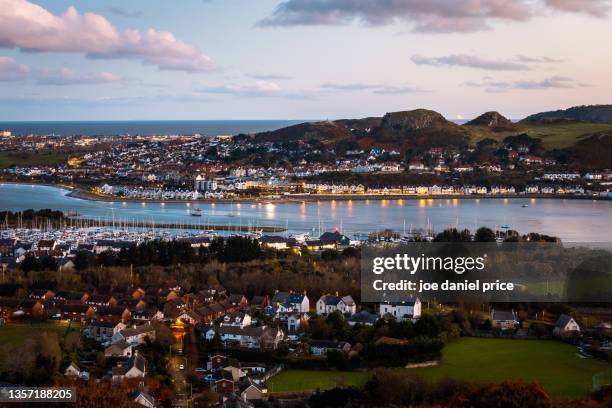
<point>558,134</point>
<point>593,151</point>
<point>420,128</point>
<point>587,113</point>
<point>493,121</point>
<point>360,125</point>
<point>323,131</point>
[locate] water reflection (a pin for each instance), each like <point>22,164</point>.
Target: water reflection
<point>590,220</point>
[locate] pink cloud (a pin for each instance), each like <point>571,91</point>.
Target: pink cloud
<point>66,76</point>
<point>30,27</point>
<point>595,8</point>
<point>11,70</point>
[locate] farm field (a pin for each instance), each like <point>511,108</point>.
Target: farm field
<point>303,380</point>
<point>554,364</point>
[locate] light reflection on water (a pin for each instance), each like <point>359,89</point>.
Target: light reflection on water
<point>572,220</point>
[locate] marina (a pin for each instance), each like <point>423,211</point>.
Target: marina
<point>570,220</point>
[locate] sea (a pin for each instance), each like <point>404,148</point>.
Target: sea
<point>145,127</point>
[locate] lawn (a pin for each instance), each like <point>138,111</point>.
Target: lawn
<point>302,380</point>
<point>42,157</point>
<point>554,364</point>
<point>17,333</point>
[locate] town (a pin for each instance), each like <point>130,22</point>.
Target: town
<point>196,167</point>
<point>155,320</point>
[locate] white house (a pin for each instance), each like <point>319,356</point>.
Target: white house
<point>103,330</point>
<point>295,320</point>
<point>239,319</point>
<point>134,368</point>
<point>249,337</point>
<point>72,371</point>
<point>119,349</point>
<point>291,302</point>
<point>330,303</point>
<point>143,398</point>
<point>135,334</point>
<point>408,309</point>
<point>566,325</point>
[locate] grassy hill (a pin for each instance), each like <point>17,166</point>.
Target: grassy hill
<point>587,113</point>
<point>560,134</point>
<point>421,129</point>
<point>324,131</point>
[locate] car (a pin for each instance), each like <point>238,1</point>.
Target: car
<point>181,366</point>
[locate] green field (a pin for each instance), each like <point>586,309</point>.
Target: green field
<point>17,333</point>
<point>553,135</point>
<point>560,135</point>
<point>303,380</point>
<point>554,364</point>
<point>42,157</point>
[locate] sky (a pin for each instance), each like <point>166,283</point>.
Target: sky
<point>300,59</point>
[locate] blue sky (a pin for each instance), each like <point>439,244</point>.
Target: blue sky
<point>295,59</point>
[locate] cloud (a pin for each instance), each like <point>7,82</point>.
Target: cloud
<point>554,82</point>
<point>594,8</point>
<point>537,60</point>
<point>66,76</point>
<point>350,87</point>
<point>121,12</point>
<point>469,61</point>
<point>432,16</point>
<point>269,77</point>
<point>396,90</point>
<point>10,70</point>
<point>425,16</point>
<point>375,88</point>
<point>258,89</point>
<point>30,27</point>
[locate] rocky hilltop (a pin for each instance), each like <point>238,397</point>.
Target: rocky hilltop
<point>494,121</point>
<point>419,128</point>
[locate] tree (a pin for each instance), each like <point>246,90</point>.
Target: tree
<point>29,263</point>
<point>48,263</point>
<point>484,234</point>
<point>81,260</point>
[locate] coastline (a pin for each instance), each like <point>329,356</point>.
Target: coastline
<point>80,193</point>
<point>86,195</point>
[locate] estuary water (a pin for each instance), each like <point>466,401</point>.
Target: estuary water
<point>571,220</point>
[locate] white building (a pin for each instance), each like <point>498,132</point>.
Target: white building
<point>330,303</point>
<point>409,309</point>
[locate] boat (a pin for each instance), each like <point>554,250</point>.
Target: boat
<point>197,212</point>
